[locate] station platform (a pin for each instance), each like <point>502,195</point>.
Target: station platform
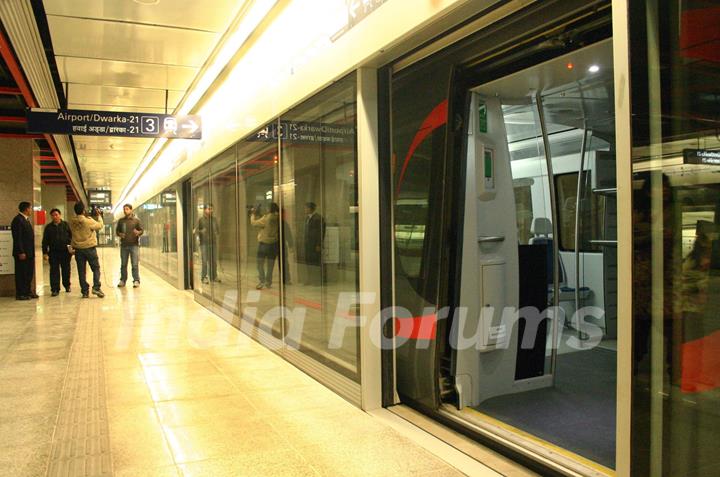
<point>146,382</point>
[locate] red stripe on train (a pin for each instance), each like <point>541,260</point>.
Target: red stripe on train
<point>417,327</point>
<point>701,364</point>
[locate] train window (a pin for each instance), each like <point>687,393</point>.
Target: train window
<point>591,219</point>
<point>523,208</point>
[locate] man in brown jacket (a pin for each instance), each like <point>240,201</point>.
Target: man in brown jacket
<point>84,242</point>
<point>129,229</point>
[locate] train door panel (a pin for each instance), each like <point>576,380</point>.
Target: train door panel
<point>503,269</point>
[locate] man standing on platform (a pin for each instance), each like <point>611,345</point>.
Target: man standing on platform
<point>24,252</point>
<point>55,245</point>
<point>129,229</point>
<point>84,241</point>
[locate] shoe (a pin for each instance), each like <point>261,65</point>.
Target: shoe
<point>67,289</point>
<point>34,295</point>
<point>217,280</point>
<point>22,297</point>
<point>86,295</point>
<point>98,292</point>
<point>268,285</point>
<point>205,280</point>
<point>55,293</point>
<point>136,283</point>
<point>121,284</point>
<point>260,286</point>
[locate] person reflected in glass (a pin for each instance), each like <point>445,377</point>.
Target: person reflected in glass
<point>207,231</point>
<point>269,230</point>
<point>288,245</point>
<point>314,231</point>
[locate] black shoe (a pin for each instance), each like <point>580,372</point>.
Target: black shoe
<point>86,295</point>
<point>98,292</point>
<point>55,293</point>
<point>34,295</point>
<point>22,297</point>
<point>67,289</point>
<point>136,283</point>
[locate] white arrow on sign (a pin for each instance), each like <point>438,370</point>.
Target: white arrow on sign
<point>191,125</point>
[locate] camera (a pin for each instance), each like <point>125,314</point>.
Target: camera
<point>94,211</point>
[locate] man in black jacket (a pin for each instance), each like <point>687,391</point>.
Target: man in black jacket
<point>23,252</point>
<point>56,240</point>
<point>314,232</point>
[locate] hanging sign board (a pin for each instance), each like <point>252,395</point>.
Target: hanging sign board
<point>7,263</point>
<point>100,197</point>
<point>113,123</point>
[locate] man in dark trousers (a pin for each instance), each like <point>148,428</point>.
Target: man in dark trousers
<point>129,229</point>
<point>207,232</point>
<point>314,232</point>
<point>55,245</point>
<point>84,242</point>
<point>23,252</point>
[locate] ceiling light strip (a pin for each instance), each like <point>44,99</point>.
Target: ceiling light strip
<point>246,22</point>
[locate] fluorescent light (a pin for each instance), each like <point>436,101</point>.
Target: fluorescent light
<point>594,68</point>
<point>251,19</point>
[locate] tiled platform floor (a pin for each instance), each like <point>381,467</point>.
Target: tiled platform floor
<point>148,383</point>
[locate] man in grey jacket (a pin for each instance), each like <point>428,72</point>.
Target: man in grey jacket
<point>129,229</point>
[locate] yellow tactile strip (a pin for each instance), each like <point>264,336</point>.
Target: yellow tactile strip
<point>81,445</point>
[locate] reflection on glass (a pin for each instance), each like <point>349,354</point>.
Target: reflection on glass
<point>159,240</point>
<point>223,225</point>
<point>256,170</point>
<point>204,233</point>
<point>318,199</point>
<point>676,238</point>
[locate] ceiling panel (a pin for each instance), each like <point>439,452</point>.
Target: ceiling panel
<point>123,73</point>
<point>104,107</point>
<point>178,13</point>
<point>130,42</point>
<point>116,96</point>
<point>130,55</point>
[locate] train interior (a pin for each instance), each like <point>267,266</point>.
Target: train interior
<point>539,285</point>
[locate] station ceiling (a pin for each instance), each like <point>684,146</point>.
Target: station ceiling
<point>129,55</point>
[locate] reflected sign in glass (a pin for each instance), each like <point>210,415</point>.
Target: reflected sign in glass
<point>113,123</point>
<point>701,156</point>
<point>307,133</point>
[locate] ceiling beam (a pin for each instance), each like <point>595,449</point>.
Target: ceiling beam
<point>18,76</point>
<point>20,136</point>
<point>13,119</point>
<point>10,90</point>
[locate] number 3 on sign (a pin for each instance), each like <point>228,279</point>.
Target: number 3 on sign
<point>149,124</point>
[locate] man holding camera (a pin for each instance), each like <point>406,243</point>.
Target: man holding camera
<point>129,230</point>
<point>84,242</point>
